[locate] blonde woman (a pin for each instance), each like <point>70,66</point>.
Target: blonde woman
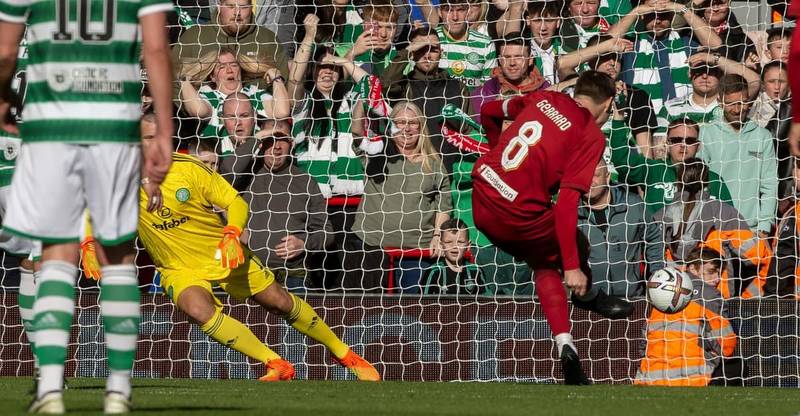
<point>206,84</point>
<point>406,199</point>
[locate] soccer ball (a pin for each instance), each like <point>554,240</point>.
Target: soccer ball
<point>669,290</point>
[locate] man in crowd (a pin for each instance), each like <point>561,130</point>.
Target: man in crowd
<point>515,75</point>
<point>621,235</point>
<point>231,27</point>
<point>744,155</point>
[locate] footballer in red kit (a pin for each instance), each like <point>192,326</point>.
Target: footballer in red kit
<point>551,148</point>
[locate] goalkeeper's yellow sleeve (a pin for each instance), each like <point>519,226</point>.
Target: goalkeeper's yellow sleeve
<point>238,212</point>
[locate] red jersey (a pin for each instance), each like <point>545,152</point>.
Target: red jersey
<point>552,143</point>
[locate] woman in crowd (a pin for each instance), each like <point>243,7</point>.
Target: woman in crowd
<point>205,87</point>
<point>406,199</point>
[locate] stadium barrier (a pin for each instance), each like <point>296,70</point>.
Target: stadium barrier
<point>410,338</point>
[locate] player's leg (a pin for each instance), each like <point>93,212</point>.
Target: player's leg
<point>194,297</point>
<point>110,176</point>
<point>119,305</point>
<point>27,296</point>
<point>43,206</point>
<point>301,316</point>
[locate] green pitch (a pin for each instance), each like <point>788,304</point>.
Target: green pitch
<point>221,398</point>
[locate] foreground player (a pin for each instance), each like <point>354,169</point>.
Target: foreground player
<point>80,149</point>
<point>195,250</point>
<point>553,145</point>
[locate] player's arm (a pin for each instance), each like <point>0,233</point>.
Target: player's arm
<point>576,181</point>
<point>157,61</point>
<point>10,35</point>
<point>220,193</point>
<point>494,113</point>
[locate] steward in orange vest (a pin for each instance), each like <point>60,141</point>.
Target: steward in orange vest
<point>693,347</point>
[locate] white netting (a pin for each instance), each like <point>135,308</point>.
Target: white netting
<point>366,208</point>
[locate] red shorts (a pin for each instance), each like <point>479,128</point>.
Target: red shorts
<point>533,241</point>
<point>793,10</point>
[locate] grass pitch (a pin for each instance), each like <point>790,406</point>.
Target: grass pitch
<point>235,397</point>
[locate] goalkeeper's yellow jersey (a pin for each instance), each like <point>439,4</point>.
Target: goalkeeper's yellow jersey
<point>183,235</point>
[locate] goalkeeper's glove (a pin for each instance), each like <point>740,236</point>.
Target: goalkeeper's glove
<point>91,267</point>
<point>230,250</point>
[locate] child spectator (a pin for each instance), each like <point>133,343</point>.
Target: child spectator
<point>695,346</point>
<point>453,274</point>
<point>778,41</point>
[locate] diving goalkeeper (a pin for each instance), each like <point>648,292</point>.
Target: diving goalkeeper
<point>195,250</point>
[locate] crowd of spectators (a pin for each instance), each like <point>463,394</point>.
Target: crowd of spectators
<point>351,128</point>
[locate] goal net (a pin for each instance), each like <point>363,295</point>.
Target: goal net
<point>391,258</point>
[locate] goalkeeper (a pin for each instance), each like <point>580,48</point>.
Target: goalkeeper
<point>195,250</point>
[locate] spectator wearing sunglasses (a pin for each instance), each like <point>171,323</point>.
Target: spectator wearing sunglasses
<point>706,69</point>
<point>659,62</point>
<point>658,177</point>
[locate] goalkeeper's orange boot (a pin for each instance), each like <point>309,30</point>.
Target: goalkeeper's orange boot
<point>362,369</point>
<point>278,370</point>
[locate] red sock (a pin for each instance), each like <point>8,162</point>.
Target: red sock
<point>553,297</point>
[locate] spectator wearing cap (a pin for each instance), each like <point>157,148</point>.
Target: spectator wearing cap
<point>772,110</point>
<point>658,177</point>
<point>467,54</point>
<point>718,15</point>
<point>542,20</point>
<point>659,62</point>
<point>587,18</point>
<point>706,68</point>
<point>426,85</point>
<point>516,74</point>
<point>744,155</point>
<point>288,227</point>
<point>622,236</point>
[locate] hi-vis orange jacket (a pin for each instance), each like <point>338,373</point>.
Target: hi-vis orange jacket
<point>684,348</point>
<point>719,226</point>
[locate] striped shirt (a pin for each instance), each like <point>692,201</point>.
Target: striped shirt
<point>659,67</point>
<point>685,107</point>
<point>215,98</point>
<point>83,78</point>
<point>471,60</point>
<point>10,144</point>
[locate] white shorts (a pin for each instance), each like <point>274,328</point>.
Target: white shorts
<point>55,182</point>
<point>11,244</point>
